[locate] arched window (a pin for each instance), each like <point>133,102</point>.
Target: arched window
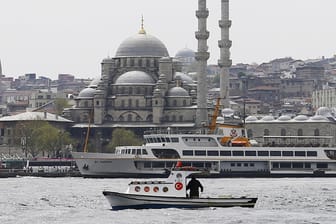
<point>130,102</point>
<point>138,118</point>
<point>138,90</point>
<point>316,132</point>
<point>129,117</point>
<point>184,103</point>
<point>175,103</point>
<point>136,103</point>
<point>122,103</point>
<point>86,104</point>
<point>149,118</point>
<point>121,118</point>
<point>173,118</point>
<point>283,132</point>
<point>181,118</point>
<point>266,132</point>
<point>300,132</point>
<point>130,90</point>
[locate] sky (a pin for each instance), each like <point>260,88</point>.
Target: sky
<point>51,37</point>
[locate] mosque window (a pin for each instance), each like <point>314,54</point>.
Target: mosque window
<point>283,132</point>
<point>249,133</point>
<point>173,118</point>
<point>266,132</point>
<point>130,102</point>
<point>138,118</point>
<point>181,118</point>
<point>122,103</point>
<point>138,90</point>
<point>300,132</point>
<point>184,102</point>
<point>136,103</point>
<point>129,117</point>
<point>130,90</point>
<point>121,118</point>
<point>316,132</point>
<point>132,62</point>
<point>175,103</point>
<point>97,102</point>
<point>140,62</point>
<point>86,104</point>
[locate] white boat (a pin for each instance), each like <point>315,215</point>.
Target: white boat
<point>170,193</point>
<point>208,151</point>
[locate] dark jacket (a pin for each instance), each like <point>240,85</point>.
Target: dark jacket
<point>193,186</point>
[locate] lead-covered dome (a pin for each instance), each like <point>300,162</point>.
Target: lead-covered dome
<point>177,92</point>
<point>135,77</point>
<point>185,53</point>
<point>142,45</point>
<point>87,93</point>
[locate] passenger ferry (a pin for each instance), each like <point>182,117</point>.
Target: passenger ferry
<point>228,156</point>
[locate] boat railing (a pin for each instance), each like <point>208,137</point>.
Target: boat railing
<point>175,131</point>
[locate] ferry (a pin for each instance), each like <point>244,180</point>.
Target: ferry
<point>222,156</point>
<point>171,193</point>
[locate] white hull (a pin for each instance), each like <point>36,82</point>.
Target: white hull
<point>131,201</point>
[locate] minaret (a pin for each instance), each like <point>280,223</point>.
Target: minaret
<point>0,69</point>
<point>201,56</point>
<point>224,62</point>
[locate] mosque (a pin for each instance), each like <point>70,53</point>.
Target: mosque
<point>143,88</point>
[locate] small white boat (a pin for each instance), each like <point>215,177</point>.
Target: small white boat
<point>171,193</point>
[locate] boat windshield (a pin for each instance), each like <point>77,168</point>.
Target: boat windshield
<point>166,153</point>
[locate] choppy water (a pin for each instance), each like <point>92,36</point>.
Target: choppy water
<point>78,200</point>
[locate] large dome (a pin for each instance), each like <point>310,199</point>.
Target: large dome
<point>142,45</point>
<point>177,92</point>
<point>134,77</point>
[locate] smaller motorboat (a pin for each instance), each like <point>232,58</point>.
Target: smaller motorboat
<point>171,193</point>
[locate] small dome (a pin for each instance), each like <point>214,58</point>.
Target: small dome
<point>324,111</point>
<point>185,53</point>
<point>301,118</point>
<point>86,93</point>
<point>220,120</point>
<point>227,112</point>
<point>251,118</point>
<point>143,45</point>
<point>184,77</point>
<point>177,92</point>
<point>267,118</point>
<point>134,77</point>
<point>318,118</point>
<point>94,83</point>
<point>284,118</point>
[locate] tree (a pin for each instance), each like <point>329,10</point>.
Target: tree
<point>60,104</point>
<point>123,137</point>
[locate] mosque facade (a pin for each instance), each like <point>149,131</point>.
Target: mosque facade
<point>141,87</point>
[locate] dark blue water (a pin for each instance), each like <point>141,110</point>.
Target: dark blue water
<point>77,200</point>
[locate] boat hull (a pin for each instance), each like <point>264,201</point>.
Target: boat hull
<point>120,201</point>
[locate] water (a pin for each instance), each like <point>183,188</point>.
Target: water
<point>78,200</point>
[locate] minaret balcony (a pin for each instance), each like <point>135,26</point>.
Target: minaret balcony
<point>225,63</point>
<point>224,43</point>
<point>202,56</point>
<point>202,14</point>
<point>202,35</point>
<point>225,23</point>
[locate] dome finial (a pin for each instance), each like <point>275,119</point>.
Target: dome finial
<point>142,30</point>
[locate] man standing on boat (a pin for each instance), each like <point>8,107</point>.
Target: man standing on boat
<point>193,186</point>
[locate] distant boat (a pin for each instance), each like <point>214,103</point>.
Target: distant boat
<point>170,193</point>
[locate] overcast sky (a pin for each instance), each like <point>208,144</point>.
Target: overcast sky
<point>49,37</point>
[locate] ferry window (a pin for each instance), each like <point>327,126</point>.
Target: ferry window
<point>213,153</point>
<point>300,153</point>
<point>207,165</point>
<point>169,164</point>
<point>307,165</point>
<point>263,153</point>
<point>275,153</point>
<point>311,153</point>
<point>275,165</point>
<point>158,139</point>
<point>246,164</point>
<point>251,164</point>
<point>297,165</point>
<point>225,153</point>
<point>198,164</point>
<point>285,165</point>
<point>238,153</point>
<point>174,139</point>
<point>128,151</point>
<point>238,164</point>
<point>200,153</point>
<point>158,164</point>
<point>166,153</point>
<point>167,139</point>
<point>133,151</point>
<point>233,164</point>
<point>147,165</point>
<point>322,165</point>
<point>144,152</point>
<point>287,153</point>
<point>163,139</point>
<point>250,153</point>
<point>188,152</point>
<point>138,151</point>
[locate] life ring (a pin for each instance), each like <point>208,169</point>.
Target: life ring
<point>233,133</point>
<point>146,189</point>
<point>178,186</point>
